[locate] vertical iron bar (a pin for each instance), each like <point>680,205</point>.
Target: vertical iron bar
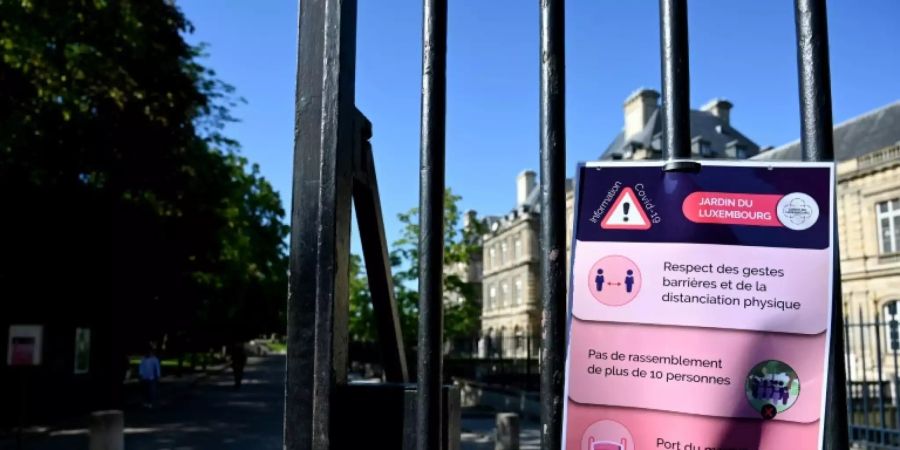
<point>848,371</point>
<point>431,223</point>
<point>896,384</point>
<point>818,145</point>
<point>324,136</point>
<point>528,361</point>
<point>298,408</point>
<point>865,380</point>
<point>553,219</point>
<point>676,91</point>
<point>815,80</point>
<point>880,376</point>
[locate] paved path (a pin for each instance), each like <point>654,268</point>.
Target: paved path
<point>478,433</point>
<point>211,415</point>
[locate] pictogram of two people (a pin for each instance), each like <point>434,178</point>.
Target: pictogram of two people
<point>600,280</point>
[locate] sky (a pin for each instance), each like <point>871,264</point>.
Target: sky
<point>739,50</point>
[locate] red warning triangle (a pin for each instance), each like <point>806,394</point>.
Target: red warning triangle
<point>626,213</point>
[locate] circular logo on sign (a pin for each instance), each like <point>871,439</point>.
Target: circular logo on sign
<point>772,387</point>
<point>798,211</point>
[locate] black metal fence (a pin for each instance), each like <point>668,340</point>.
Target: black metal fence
<point>333,162</point>
<point>520,346</point>
<point>873,388</point>
<point>509,361</point>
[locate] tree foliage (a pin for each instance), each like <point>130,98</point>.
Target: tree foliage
<point>462,244</point>
<point>362,317</point>
<point>127,203</point>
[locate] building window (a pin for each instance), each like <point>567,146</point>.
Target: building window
<point>503,252</point>
<point>492,257</point>
<point>518,248</point>
<point>701,147</point>
<point>891,326</point>
<point>889,225</point>
<point>740,152</point>
<point>492,297</point>
<point>504,294</point>
<point>517,292</point>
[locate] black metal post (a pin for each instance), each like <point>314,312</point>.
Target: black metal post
<point>676,85</point>
<point>553,220</point>
<point>325,126</point>
<point>815,80</point>
<point>431,223</point>
<point>818,145</point>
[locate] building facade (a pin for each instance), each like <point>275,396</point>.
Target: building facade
<point>867,151</point>
<point>511,287</point>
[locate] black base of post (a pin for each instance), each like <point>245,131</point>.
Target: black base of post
<point>682,166</point>
<point>384,416</point>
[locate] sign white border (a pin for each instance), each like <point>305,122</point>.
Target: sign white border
<point>742,163</point>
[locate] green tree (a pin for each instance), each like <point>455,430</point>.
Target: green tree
<point>362,316</point>
<point>126,195</point>
<point>461,244</point>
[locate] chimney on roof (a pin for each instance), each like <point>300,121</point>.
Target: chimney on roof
<point>524,185</point>
<point>720,108</point>
<point>469,219</point>
<point>639,106</point>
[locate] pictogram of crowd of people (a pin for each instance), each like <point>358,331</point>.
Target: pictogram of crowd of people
<point>771,387</point>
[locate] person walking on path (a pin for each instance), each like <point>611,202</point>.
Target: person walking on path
<point>238,361</point>
<point>149,372</point>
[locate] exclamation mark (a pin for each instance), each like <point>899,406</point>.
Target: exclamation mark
<point>625,207</point>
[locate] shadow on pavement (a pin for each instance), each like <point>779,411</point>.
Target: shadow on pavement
<point>211,415</point>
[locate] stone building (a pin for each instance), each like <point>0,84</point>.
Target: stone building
<point>867,151</point>
<point>511,287</point>
<point>511,284</point>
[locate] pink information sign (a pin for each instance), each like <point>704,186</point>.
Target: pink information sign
<point>700,307</point>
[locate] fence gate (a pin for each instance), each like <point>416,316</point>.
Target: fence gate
<point>334,165</point>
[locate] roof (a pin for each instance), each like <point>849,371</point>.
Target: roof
<point>533,200</point>
<point>867,133</point>
<point>704,125</point>
<point>531,207</point>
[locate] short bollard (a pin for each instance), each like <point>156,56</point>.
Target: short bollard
<point>107,430</point>
<point>507,434</point>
